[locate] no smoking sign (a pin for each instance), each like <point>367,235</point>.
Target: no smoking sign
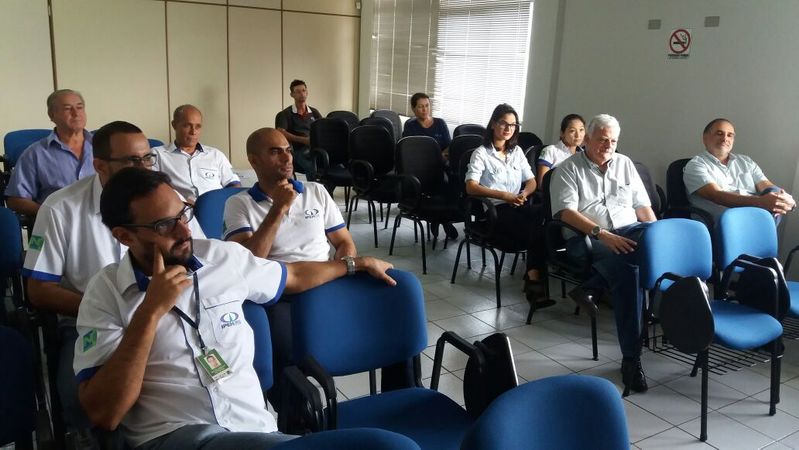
<point>679,44</point>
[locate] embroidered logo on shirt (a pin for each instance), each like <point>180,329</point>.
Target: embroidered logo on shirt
<point>229,319</point>
<point>36,242</point>
<point>208,174</point>
<point>311,213</point>
<point>89,339</point>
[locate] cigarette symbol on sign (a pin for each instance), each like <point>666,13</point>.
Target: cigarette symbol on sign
<point>679,41</point>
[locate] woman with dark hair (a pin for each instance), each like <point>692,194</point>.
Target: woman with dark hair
<point>500,172</point>
<point>424,124</point>
<point>572,132</point>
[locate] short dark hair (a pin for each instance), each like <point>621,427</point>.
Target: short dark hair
<point>101,141</point>
<point>499,111</point>
<point>418,96</point>
<point>568,119</point>
<point>123,188</point>
<point>296,83</point>
<point>713,122</point>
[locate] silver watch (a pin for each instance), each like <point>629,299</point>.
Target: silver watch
<point>350,261</point>
<point>595,231</point>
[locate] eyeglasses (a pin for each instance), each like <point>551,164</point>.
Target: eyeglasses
<point>165,226</point>
<point>506,125</point>
<point>147,160</point>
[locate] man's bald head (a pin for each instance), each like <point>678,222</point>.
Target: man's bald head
<point>264,138</point>
<point>182,110</point>
<point>270,155</point>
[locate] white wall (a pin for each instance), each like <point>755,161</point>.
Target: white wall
<point>744,70</point>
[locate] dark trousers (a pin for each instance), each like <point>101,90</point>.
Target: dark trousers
<point>524,225</point>
<point>619,273</point>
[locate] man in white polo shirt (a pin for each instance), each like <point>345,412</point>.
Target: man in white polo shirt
<point>600,193</point>
<point>194,168</point>
<point>150,324</point>
<point>69,244</point>
<point>718,179</point>
<point>280,218</point>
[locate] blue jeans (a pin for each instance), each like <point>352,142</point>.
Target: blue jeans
<point>208,436</point>
<point>619,273</point>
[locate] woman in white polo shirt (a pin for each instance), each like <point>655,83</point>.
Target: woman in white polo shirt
<point>499,171</point>
<point>572,132</point>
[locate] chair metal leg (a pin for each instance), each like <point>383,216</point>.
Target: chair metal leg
<point>369,210</point>
<point>457,261</point>
<point>349,212</point>
<point>394,233</point>
<point>594,345</point>
<point>697,365</point>
<point>346,198</point>
<point>562,289</point>
<point>388,214</point>
<point>381,212</point>
<point>497,271</point>
<point>513,266</point>
<point>703,427</point>
<point>424,256</point>
<point>501,260</point>
<point>374,223</point>
<point>468,254</point>
<point>776,368</point>
<point>483,249</point>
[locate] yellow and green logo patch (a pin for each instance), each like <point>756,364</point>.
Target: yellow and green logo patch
<point>89,339</point>
<point>36,242</point>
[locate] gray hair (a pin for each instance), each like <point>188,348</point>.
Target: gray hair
<point>52,98</point>
<point>603,121</point>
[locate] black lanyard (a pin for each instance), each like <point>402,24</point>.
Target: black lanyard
<point>187,319</point>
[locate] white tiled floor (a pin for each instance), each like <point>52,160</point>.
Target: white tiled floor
<point>557,342</point>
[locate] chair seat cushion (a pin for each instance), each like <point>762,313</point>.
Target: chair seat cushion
<point>740,327</point>
<point>428,417</point>
<point>339,176</point>
<point>793,288</point>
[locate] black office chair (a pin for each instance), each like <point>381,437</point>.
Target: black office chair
<point>347,116</point>
<point>330,144</point>
<point>655,192</point>
<point>468,128</point>
<point>371,151</point>
<point>423,191</point>
<point>392,117</point>
<point>383,123</point>
<point>458,147</point>
<point>528,139</point>
<point>677,204</point>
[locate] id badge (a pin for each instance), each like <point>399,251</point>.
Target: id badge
<point>214,365</point>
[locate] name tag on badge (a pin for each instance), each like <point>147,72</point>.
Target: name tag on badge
<point>208,174</point>
<point>213,365</point>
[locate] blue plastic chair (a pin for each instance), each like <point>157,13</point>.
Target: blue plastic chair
<point>155,143</point>
<point>746,230</point>
<point>11,256</point>
<point>210,210</point>
<point>568,412</point>
<point>362,438</point>
<point>17,395</point>
<point>677,253</point>
<point>15,142</point>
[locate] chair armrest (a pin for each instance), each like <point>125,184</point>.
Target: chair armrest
<point>666,276</point>
<point>301,409</point>
<point>409,192</point>
<point>458,342</point>
<point>323,159</point>
<point>474,205</point>
<point>790,258</point>
<point>553,230</point>
<point>363,174</point>
<point>768,304</point>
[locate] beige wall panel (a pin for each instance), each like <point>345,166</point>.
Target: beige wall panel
<point>275,4</point>
<point>26,71</point>
<point>218,2</point>
<point>325,56</point>
<point>114,53</point>
<point>197,36</point>
<point>326,6</point>
<point>255,91</point>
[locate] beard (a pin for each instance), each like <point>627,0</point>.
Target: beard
<point>179,256</point>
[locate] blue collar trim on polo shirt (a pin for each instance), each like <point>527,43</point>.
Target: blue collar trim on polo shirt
<point>258,195</point>
<point>143,281</point>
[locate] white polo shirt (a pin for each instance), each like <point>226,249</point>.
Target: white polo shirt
<point>69,243</point>
<point>552,155</point>
<point>302,235</point>
<point>740,175</point>
<point>193,175</point>
<point>175,391</point>
<point>609,199</point>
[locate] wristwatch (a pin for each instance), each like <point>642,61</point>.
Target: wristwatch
<point>350,261</point>
<point>595,231</point>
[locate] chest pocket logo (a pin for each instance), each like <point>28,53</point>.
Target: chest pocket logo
<point>208,174</point>
<point>311,213</point>
<point>229,319</point>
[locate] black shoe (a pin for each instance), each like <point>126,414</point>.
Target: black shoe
<point>632,375</point>
<point>450,230</point>
<point>535,291</point>
<point>584,299</point>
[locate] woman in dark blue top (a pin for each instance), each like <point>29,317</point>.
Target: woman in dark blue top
<point>424,124</point>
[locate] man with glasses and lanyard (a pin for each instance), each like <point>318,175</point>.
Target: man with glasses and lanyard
<point>69,244</point>
<point>164,349</point>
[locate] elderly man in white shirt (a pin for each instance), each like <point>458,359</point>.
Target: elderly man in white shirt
<point>194,168</point>
<point>718,179</point>
<point>600,193</point>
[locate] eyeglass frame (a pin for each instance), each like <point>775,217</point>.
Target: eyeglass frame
<point>509,126</point>
<point>188,210</point>
<point>134,161</point>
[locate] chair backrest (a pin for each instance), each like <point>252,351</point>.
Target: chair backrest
<point>392,117</point>
<point>676,195</point>
<point>373,143</point>
<point>528,139</point>
<point>17,394</point>
<point>546,199</point>
<point>468,128</point>
<point>384,123</point>
<point>15,142</point>
<point>210,210</point>
<point>347,116</point>
<point>544,414</point>
<point>350,438</point>
<point>420,156</point>
<point>748,230</point>
<point>332,135</point>
<point>679,246</point>
<point>650,186</point>
<point>358,323</point>
<point>155,143</point>
<point>532,154</point>
<point>11,237</point>
<point>460,145</point>
<point>255,315</point>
